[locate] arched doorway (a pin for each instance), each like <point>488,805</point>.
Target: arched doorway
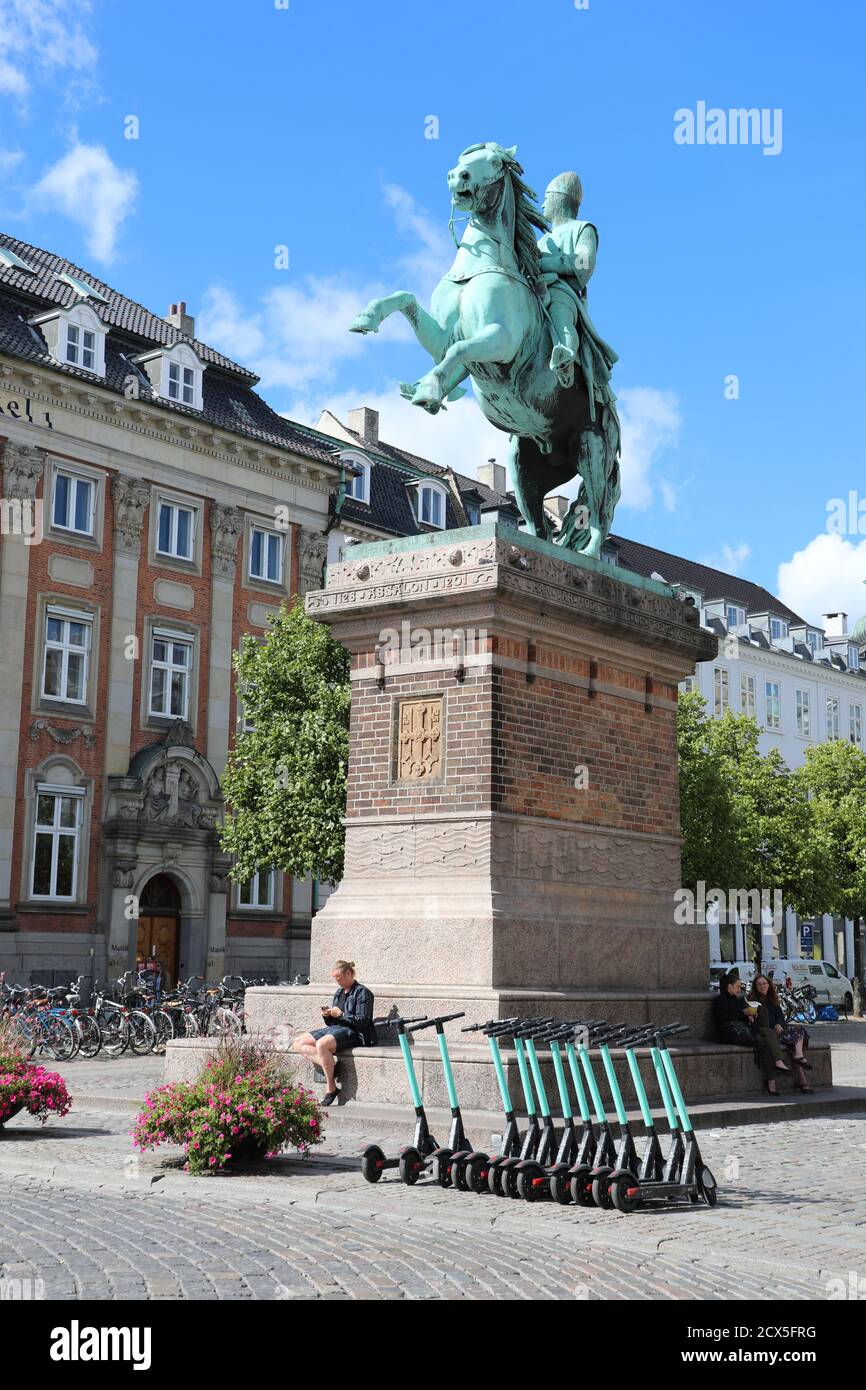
<point>159,925</point>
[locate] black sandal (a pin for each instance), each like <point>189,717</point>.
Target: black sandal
<point>329,1097</point>
<point>777,1094</point>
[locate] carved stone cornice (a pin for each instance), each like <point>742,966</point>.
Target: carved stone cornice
<point>538,582</point>
<point>226,525</point>
<point>312,553</point>
<point>23,465</point>
<point>131,496</point>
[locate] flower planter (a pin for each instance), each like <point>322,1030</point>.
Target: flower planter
<point>12,1113</point>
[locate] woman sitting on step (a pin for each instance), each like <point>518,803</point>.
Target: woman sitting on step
<point>790,1035</point>
<point>737,1027</point>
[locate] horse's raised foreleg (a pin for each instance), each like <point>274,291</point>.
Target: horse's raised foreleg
<point>493,344</point>
<point>429,333</point>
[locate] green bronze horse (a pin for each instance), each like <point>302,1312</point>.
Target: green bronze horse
<point>489,321</point>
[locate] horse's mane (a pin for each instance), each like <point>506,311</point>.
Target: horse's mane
<point>527,212</point>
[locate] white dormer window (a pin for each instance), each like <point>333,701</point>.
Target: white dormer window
<point>853,659</point>
<point>778,629</point>
<point>735,616</point>
<point>813,640</point>
<point>357,478</point>
<point>431,505</point>
<point>75,337</point>
<point>175,373</point>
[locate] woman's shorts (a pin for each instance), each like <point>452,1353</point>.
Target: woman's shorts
<point>344,1037</point>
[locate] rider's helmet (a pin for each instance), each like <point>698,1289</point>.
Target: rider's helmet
<point>569,186</point>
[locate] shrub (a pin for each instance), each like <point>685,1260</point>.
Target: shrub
<point>24,1086</point>
<point>245,1104</point>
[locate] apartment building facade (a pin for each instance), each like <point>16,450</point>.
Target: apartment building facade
<point>154,508</point>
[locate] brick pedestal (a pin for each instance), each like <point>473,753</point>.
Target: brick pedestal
<point>513,808</point>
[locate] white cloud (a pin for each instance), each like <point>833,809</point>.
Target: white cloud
<point>9,160</point>
<point>41,37</point>
<point>88,187</point>
<point>651,423</point>
<point>826,576</point>
<point>433,251</point>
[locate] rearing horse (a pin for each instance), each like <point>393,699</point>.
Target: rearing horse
<point>488,322</point>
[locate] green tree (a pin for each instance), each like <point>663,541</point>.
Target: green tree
<point>711,850</point>
<point>285,782</point>
<point>833,778</point>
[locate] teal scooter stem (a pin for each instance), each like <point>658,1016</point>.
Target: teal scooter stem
<point>373,1160</point>
<point>413,1163</point>
<point>500,1170</point>
<point>469,1172</point>
<point>536,1180</point>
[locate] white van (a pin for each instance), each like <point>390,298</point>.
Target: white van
<point>831,987</point>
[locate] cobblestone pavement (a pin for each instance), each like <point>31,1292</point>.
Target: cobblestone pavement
<point>90,1219</point>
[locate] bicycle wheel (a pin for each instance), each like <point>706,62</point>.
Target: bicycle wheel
<point>142,1032</point>
<point>60,1038</point>
<point>115,1033</point>
<point>190,1025</point>
<point>224,1024</point>
<point>89,1036</point>
<point>164,1030</point>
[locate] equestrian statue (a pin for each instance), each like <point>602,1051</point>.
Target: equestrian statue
<point>511,316</point>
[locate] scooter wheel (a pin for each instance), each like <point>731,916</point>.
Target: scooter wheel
<point>620,1188</point>
<point>477,1174</point>
<point>560,1188</point>
<point>581,1186</point>
<point>371,1163</point>
<point>601,1188</point>
<point>528,1186</point>
<point>410,1166</point>
<point>461,1175</point>
<point>495,1176</point>
<point>509,1183</point>
<point>442,1167</point>
<point>709,1191</point>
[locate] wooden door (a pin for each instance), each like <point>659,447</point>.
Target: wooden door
<point>160,934</point>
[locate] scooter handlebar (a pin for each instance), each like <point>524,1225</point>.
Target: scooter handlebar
<point>431,1022</point>
<point>393,1022</point>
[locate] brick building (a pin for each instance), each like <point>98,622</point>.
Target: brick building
<point>154,508</point>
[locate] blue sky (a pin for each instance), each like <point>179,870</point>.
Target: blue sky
<point>305,127</point>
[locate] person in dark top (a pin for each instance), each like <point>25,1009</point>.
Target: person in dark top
<point>790,1035</point>
<point>736,1026</point>
<point>347,1021</point>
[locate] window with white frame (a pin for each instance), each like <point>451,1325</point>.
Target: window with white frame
<point>774,705</point>
<point>67,649</point>
<point>748,695</point>
<point>813,641</point>
<point>258,891</point>
<point>56,842</point>
<point>853,659</point>
<point>778,629</point>
<point>721,690</point>
<point>81,346</point>
<point>181,383</point>
<point>431,506</point>
<point>170,674</point>
<point>688,685</point>
<point>803,705</point>
<point>735,616</point>
<point>266,555</point>
<point>72,507</point>
<point>357,479</point>
<point>175,531</point>
<point>855,722</point>
<point>832,716</point>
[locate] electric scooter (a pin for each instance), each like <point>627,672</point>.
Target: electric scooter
<point>412,1161</point>
<point>694,1179</point>
<point>373,1159</point>
<point>626,1153</point>
<point>501,1165</point>
<point>534,1180</point>
<point>605,1155</point>
<point>469,1170</point>
<point>654,1167</point>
